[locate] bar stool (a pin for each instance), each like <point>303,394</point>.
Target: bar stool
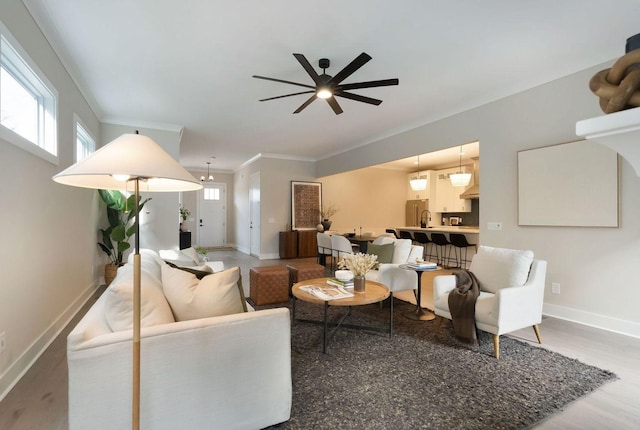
<point>404,234</point>
<point>441,243</point>
<point>458,243</point>
<point>423,239</point>
<point>392,231</point>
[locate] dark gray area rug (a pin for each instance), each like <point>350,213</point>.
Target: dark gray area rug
<point>420,379</point>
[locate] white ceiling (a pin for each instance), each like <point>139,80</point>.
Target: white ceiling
<point>189,63</point>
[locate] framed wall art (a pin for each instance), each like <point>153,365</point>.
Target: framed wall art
<point>570,185</point>
<point>306,201</point>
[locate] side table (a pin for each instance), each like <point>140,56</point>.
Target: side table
<point>419,313</point>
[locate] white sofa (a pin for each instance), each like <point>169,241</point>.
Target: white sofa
<point>220,372</point>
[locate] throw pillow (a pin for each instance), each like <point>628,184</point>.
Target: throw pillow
<point>498,268</point>
<point>193,254</point>
<point>384,252</point>
<point>154,308</point>
<point>401,251</point>
<point>214,295</point>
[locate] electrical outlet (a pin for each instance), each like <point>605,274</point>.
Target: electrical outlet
<point>497,226</point>
<point>555,288</point>
<point>3,341</point>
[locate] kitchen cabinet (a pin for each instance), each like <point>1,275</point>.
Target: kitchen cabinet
<point>421,194</point>
<point>447,197</point>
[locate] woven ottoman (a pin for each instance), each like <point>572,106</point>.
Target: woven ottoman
<point>303,271</point>
<point>269,284</point>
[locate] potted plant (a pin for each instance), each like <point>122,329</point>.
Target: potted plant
<point>327,212</point>
<point>203,252</point>
<point>184,214</point>
<point>359,264</point>
<point>115,238</point>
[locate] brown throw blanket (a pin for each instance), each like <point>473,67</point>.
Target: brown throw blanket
<point>462,305</point>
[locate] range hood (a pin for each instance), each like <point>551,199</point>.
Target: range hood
<point>473,192</point>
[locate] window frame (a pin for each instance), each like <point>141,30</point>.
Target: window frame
<point>78,123</point>
<point>17,63</point>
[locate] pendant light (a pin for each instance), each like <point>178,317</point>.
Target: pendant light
<point>460,179</point>
<point>418,183</point>
<point>209,177</point>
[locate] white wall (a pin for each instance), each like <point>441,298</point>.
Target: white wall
<point>275,200</point>
<point>596,267</point>
<point>49,259</point>
<point>373,199</point>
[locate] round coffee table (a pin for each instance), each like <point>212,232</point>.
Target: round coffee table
<point>375,292</point>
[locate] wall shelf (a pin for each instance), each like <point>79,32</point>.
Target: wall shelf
<point>619,131</point>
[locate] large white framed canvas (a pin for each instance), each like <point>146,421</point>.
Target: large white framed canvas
<point>570,184</point>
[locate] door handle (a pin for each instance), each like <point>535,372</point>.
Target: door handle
<point>200,222</point>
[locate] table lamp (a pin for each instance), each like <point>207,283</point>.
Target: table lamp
<point>129,160</point>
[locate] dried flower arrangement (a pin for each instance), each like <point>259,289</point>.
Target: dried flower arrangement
<point>327,211</point>
<point>359,264</point>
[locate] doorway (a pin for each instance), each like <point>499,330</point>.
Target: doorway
<point>254,215</point>
<point>212,215</point>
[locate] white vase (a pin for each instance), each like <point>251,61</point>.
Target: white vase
<point>183,226</point>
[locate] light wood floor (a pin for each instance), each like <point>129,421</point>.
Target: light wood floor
<point>39,400</point>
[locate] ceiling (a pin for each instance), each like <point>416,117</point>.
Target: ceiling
<point>164,63</point>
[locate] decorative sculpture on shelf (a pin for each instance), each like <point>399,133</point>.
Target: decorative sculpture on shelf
<point>619,86</point>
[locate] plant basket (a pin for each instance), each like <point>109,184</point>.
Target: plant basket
<point>110,271</point>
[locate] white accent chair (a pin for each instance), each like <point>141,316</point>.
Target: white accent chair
<point>324,248</point>
<point>511,292</point>
<point>390,274</point>
<point>340,245</point>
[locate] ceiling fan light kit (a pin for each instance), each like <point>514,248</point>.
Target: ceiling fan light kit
<point>328,87</point>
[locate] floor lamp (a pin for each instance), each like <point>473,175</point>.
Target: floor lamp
<point>129,160</point>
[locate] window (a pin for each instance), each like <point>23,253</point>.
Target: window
<point>27,101</point>
<point>85,144</point>
<point>211,193</point>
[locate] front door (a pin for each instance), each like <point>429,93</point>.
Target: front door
<point>212,215</point>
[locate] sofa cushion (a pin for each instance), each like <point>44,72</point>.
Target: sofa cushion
<point>216,294</point>
<point>384,252</point>
<point>154,308</point>
<point>498,268</point>
<point>401,251</point>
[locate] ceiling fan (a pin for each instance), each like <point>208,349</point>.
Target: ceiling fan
<point>328,87</point>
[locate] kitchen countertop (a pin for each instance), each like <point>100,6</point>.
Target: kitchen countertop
<point>445,229</point>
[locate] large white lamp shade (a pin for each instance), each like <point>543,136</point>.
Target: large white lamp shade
<point>131,156</point>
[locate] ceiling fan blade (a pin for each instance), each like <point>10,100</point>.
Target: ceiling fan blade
<point>334,105</point>
<point>369,84</point>
<point>283,81</point>
<point>305,104</point>
<point>309,68</point>
<point>359,98</point>
<point>286,95</point>
<point>360,61</point>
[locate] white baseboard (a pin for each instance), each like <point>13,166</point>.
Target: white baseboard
<point>628,328</point>
<point>23,363</point>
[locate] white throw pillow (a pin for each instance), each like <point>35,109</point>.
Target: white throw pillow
<point>154,308</point>
<point>216,294</point>
<point>497,268</point>
<point>401,251</point>
<point>193,254</point>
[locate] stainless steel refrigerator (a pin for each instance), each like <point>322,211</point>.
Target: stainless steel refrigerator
<point>414,211</point>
